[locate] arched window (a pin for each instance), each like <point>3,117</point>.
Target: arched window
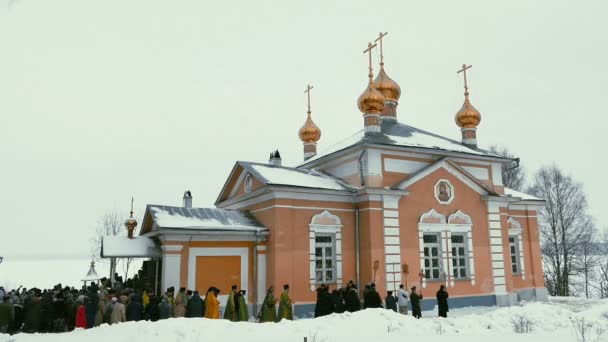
<point>325,234</point>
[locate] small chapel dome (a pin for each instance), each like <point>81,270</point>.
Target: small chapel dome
<point>371,101</point>
<point>309,132</point>
<point>468,116</point>
<point>387,87</point>
<point>131,223</point>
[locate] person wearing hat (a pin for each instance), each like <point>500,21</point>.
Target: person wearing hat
<point>180,303</point>
<point>415,300</point>
<point>230,311</point>
<point>285,308</point>
<point>195,306</point>
<point>442,301</point>
<point>32,313</point>
<point>212,305</point>
<point>119,312</point>
<point>390,301</point>
<point>240,305</point>
<point>269,312</point>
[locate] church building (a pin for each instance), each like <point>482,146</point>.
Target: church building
<point>390,204</point>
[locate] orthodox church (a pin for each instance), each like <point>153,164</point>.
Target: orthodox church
<point>391,204</point>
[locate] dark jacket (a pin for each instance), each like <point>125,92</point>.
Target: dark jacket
<point>442,303</point>
<point>91,305</point>
<point>415,301</point>
<point>372,300</point>
<point>32,316</point>
<point>7,314</point>
<point>194,308</point>
<point>391,302</point>
<point>164,309</point>
<point>352,301</point>
<point>135,310</point>
<point>324,305</point>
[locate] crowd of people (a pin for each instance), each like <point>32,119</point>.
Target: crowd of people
<point>64,309</point>
<point>346,299</point>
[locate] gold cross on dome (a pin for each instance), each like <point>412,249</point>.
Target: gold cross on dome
<point>380,36</point>
<point>370,46</point>
<point>307,91</point>
<point>464,71</point>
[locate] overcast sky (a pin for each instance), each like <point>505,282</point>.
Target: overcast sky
<point>104,100</point>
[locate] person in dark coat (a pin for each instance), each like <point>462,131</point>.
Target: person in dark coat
<point>33,314</point>
<point>324,305</point>
<point>194,308</point>
<point>46,312</point>
<point>415,302</point>
<point>390,301</point>
<point>135,309</point>
<point>372,299</point>
<point>337,297</point>
<point>351,299</point>
<point>61,313</point>
<point>153,313</point>
<point>7,314</point>
<point>164,308</point>
<point>91,305</point>
<point>442,301</point>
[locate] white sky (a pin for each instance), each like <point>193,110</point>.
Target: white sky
<point>104,100</point>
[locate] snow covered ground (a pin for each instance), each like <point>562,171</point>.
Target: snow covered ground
<point>552,321</point>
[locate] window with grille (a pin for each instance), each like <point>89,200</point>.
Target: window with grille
<point>432,252</point>
<point>459,257</point>
<point>514,252</point>
<point>325,258</point>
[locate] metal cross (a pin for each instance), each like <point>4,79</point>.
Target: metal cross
<point>464,71</point>
<point>370,46</point>
<point>131,206</point>
<point>380,36</point>
<point>307,91</point>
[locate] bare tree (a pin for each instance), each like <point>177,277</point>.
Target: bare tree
<point>588,258</point>
<point>110,224</point>
<point>513,176</point>
<point>564,224</point>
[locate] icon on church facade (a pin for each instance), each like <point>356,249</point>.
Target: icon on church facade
<point>444,192</point>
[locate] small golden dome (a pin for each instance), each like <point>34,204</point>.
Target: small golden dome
<point>468,116</point>
<point>371,101</point>
<point>309,132</point>
<point>131,223</point>
<point>385,85</point>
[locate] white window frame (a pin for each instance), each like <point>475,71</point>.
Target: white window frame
<point>430,257</point>
<point>457,223</point>
<point>325,223</point>
<point>456,258</point>
<point>516,231</point>
<point>323,258</point>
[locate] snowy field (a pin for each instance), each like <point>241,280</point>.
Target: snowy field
<point>552,321</point>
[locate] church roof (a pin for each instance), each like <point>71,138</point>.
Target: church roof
<point>209,219</point>
<point>282,175</point>
<point>523,196</point>
<point>398,134</point>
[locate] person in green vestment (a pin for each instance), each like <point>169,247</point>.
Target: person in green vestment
<point>240,304</point>
<point>285,310</point>
<point>268,313</point>
<point>230,311</point>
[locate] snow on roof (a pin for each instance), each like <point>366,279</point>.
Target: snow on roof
<point>122,246</point>
<point>523,196</point>
<point>394,133</point>
<point>296,177</point>
<point>92,274</point>
<point>204,219</point>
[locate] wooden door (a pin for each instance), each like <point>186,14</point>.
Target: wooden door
<point>219,271</point>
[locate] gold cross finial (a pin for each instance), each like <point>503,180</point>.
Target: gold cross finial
<point>464,71</point>
<point>307,91</point>
<point>380,36</point>
<point>370,46</point>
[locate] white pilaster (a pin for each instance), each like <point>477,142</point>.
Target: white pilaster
<point>392,245</point>
<point>496,248</point>
<point>171,266</point>
<point>261,269</point>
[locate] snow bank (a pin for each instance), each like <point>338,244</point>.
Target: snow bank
<point>551,322</point>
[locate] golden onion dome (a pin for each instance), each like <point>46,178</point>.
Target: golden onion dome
<point>371,101</point>
<point>309,132</point>
<point>385,85</point>
<point>468,116</point>
<point>131,223</point>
